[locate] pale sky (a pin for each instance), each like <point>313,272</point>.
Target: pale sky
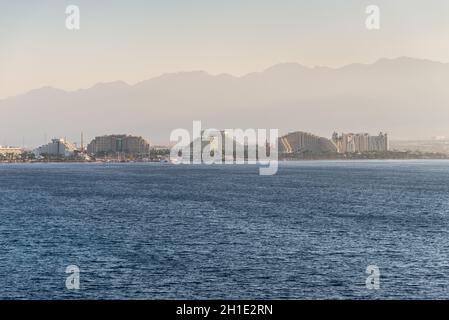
<point>136,40</point>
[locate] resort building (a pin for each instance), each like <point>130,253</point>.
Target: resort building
<point>57,147</point>
<point>360,142</point>
<point>227,145</point>
<point>114,144</point>
<point>10,151</point>
<point>298,142</point>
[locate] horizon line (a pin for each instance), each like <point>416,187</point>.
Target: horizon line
<point>222,74</point>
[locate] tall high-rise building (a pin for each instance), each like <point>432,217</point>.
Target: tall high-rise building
<point>360,142</point>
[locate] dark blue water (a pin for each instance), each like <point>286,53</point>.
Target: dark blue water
<point>154,231</point>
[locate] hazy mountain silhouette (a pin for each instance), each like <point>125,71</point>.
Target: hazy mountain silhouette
<point>404,96</point>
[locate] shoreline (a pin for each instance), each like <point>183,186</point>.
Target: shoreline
<point>280,161</point>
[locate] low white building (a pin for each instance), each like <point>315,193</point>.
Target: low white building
<point>57,147</point>
<point>8,151</point>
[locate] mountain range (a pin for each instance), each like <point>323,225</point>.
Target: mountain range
<point>406,97</point>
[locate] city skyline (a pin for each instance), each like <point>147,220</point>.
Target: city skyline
<point>404,96</point>
<point>83,145</point>
<point>293,143</point>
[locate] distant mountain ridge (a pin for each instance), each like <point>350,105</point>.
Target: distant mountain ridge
<point>406,97</point>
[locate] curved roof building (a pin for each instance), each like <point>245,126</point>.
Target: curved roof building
<point>297,142</point>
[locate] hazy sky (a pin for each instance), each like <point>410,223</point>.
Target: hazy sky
<point>136,40</point>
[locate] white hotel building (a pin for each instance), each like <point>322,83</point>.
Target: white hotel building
<point>57,147</point>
